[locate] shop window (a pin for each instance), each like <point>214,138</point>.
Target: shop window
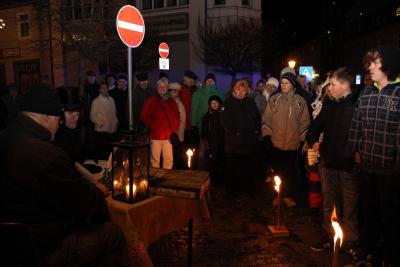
<point>158,3</point>
<point>147,4</point>
<point>171,3</point>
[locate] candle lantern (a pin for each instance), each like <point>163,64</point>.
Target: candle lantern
<point>130,168</point>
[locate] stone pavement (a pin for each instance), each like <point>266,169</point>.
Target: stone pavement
<point>236,235</point>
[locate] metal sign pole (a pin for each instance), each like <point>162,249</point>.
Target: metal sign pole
<point>130,88</point>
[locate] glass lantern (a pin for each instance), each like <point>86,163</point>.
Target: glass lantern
<point>130,169</point>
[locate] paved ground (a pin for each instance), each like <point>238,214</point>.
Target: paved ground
<point>236,235</point>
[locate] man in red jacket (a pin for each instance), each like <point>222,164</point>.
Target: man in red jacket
<point>160,114</point>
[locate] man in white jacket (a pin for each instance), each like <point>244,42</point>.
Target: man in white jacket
<point>104,116</point>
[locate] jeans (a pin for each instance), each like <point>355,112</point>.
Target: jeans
<point>99,245</point>
<point>341,189</point>
<point>380,199</point>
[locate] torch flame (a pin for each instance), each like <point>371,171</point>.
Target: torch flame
<point>190,153</point>
<point>337,228</point>
<point>277,183</point>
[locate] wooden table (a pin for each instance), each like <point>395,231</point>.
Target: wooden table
<point>145,222</point>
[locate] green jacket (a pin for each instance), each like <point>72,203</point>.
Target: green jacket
<point>200,104</point>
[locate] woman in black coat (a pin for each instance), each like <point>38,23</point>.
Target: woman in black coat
<point>241,121</point>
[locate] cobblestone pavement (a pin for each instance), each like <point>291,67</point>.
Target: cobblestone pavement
<point>236,235</point>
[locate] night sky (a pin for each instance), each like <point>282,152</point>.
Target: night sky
<point>300,21</point>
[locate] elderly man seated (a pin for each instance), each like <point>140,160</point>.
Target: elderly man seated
<point>41,188</point>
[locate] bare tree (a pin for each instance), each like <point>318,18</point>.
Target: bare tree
<point>233,46</point>
<point>82,30</point>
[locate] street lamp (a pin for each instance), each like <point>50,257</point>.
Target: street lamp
<point>292,64</point>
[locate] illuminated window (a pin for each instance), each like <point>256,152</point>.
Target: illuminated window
<point>23,25</point>
<point>398,12</point>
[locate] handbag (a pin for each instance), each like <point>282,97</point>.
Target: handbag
<point>173,138</point>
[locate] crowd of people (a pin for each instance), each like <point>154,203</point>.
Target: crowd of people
<point>285,126</point>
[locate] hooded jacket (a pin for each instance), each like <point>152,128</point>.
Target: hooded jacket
<point>286,120</point>
<point>200,104</point>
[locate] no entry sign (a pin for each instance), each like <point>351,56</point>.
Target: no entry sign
<point>163,50</point>
<point>130,26</point>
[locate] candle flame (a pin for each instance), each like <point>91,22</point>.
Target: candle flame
<point>190,153</point>
<point>277,183</point>
<point>336,228</point>
<point>127,190</point>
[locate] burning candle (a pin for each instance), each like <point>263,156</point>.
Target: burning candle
<point>189,154</point>
<point>277,189</point>
<point>338,235</point>
<point>116,184</point>
<point>143,186</point>
<point>127,191</point>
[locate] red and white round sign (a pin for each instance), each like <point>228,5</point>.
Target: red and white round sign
<point>163,50</point>
<point>130,26</point>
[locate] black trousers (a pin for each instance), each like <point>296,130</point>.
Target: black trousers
<point>239,173</point>
<point>284,165</point>
<point>380,200</point>
<point>99,245</point>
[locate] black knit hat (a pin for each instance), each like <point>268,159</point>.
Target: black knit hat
<point>42,99</point>
<point>391,59</point>
<point>144,76</point>
<point>69,97</point>
<point>214,97</point>
<point>210,76</point>
<point>191,74</point>
<point>290,77</point>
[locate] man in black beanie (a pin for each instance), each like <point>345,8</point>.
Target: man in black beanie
<point>41,189</point>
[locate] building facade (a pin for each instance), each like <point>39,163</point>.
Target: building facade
<point>32,49</point>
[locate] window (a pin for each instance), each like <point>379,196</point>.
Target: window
<point>183,2</point>
<point>398,12</point>
<point>147,4</point>
<point>219,2</point>
<point>171,3</point>
<point>246,2</point>
<point>158,3</point>
<point>23,25</point>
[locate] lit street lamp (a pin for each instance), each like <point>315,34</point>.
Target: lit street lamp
<point>292,64</point>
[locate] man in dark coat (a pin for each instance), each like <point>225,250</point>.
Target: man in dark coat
<point>140,94</point>
<point>69,135</point>
<point>40,188</point>
<point>120,96</point>
<point>242,124</point>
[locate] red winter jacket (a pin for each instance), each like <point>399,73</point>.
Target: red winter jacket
<point>154,117</point>
<point>186,98</point>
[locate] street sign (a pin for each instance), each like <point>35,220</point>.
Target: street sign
<point>130,26</point>
<point>164,63</point>
<point>163,50</point>
<point>306,71</point>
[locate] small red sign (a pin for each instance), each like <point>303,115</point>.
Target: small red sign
<point>163,50</point>
<point>130,26</point>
